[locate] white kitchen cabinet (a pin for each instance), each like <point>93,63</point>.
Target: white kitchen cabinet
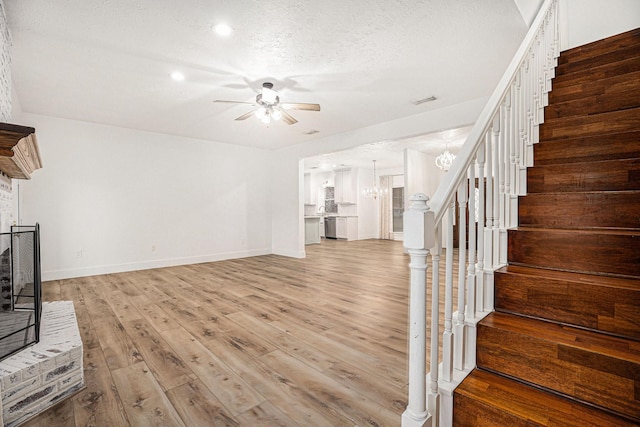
<point>341,227</point>
<point>311,230</point>
<point>345,186</point>
<point>347,227</point>
<point>321,226</point>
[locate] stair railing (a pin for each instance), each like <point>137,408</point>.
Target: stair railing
<point>483,186</point>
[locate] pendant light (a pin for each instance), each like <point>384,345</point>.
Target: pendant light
<point>374,191</point>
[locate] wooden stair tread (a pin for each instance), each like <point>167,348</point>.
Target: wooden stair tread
<point>601,175</point>
<point>570,276</point>
<point>626,95</point>
<point>592,88</point>
<point>614,347</point>
<point>612,146</point>
<point>623,66</point>
<point>605,231</point>
<point>589,50</point>
<point>591,367</point>
<point>600,303</point>
<point>575,126</point>
<point>604,251</point>
<point>525,405</point>
<point>581,210</point>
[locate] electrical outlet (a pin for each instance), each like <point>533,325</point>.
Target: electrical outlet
<point>153,248</point>
<point>79,253</point>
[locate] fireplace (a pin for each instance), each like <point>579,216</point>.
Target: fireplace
<point>20,296</point>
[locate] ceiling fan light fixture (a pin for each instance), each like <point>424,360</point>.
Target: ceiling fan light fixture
<point>261,113</point>
<point>276,114</point>
<point>269,95</point>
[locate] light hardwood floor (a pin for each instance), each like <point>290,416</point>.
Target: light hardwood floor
<point>262,341</point>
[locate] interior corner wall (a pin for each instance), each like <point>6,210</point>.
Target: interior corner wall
<point>110,199</point>
<point>585,21</point>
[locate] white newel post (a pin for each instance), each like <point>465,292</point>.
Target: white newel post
<point>418,239</point>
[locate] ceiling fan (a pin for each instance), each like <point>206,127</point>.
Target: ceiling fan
<point>270,107</point>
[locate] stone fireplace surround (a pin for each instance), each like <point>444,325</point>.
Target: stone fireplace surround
<point>45,373</point>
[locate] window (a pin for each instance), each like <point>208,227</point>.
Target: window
<point>398,208</point>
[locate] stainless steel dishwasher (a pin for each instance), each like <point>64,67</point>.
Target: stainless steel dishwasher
<point>330,227</point>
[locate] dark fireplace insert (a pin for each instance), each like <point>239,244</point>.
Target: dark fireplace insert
<point>20,293</point>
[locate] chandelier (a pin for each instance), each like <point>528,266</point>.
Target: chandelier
<point>373,192</point>
<point>445,159</point>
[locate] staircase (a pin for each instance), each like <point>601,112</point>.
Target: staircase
<point>563,346</point>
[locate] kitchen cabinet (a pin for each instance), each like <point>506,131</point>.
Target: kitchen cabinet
<point>321,226</point>
<point>311,230</point>
<point>346,186</point>
<point>307,188</point>
<point>347,227</point>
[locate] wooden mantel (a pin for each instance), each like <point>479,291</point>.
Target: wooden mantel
<point>19,155</point>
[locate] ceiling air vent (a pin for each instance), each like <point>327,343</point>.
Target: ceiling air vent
<point>422,101</point>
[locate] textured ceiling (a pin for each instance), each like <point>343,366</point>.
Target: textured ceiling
<point>364,61</point>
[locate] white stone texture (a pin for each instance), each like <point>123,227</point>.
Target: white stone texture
<point>5,68</point>
<point>43,374</point>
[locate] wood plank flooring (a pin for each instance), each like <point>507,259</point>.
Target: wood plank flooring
<point>262,341</point>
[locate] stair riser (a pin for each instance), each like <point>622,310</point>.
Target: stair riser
<point>626,66</point>
<point>581,210</point>
<point>612,310</point>
<point>592,89</point>
<point>598,61</point>
<point>627,96</point>
<point>485,399</point>
<point>613,175</point>
<point>616,254</point>
<point>597,124</point>
<point>590,377</point>
<point>613,43</point>
<point>617,146</point>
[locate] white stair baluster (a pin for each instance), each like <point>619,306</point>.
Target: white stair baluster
<point>460,330</point>
<point>419,238</point>
<point>447,335</point>
<point>480,158</point>
<point>433,398</point>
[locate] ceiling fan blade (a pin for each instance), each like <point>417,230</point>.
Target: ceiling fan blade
<point>300,106</point>
<point>235,102</point>
<point>288,118</point>
<point>247,115</point>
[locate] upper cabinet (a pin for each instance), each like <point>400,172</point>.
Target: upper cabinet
<point>346,186</point>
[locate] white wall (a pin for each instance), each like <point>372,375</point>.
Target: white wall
<point>528,9</point>
<point>585,21</point>
<point>368,208</point>
<point>287,173</point>
<point>110,194</point>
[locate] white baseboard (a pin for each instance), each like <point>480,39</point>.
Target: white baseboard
<point>146,265</point>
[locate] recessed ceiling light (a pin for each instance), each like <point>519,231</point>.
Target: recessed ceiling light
<point>223,30</point>
<point>177,76</point>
